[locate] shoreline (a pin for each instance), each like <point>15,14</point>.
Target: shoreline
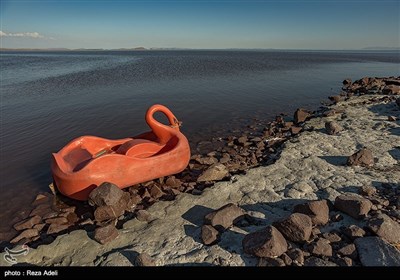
<point>305,167</point>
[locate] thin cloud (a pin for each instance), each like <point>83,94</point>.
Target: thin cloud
<point>35,35</point>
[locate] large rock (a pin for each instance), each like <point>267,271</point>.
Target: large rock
<point>385,227</point>
<point>28,233</point>
<point>318,211</point>
<point>362,157</point>
<point>56,228</point>
<point>333,128</point>
<point>301,115</point>
<point>224,217</point>
<point>105,234</point>
<point>106,194</point>
<point>374,251</point>
<point>355,206</point>
<point>297,227</point>
<point>268,242</point>
<point>321,248</point>
<point>209,235</point>
<point>353,232</point>
<point>215,172</point>
<point>28,223</point>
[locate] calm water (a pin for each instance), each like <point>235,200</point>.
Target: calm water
<point>47,99</point>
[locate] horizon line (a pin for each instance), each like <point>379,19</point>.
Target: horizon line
<point>178,48</point>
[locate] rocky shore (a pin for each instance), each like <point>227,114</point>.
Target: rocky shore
<point>320,188</point>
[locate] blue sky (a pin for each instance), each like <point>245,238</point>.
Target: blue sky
<point>306,24</point>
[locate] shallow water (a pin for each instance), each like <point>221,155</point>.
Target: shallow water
<point>48,99</point>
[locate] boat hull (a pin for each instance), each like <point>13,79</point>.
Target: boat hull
<point>88,161</point>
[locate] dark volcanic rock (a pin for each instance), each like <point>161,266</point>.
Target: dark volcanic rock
<point>398,101</point>
<point>39,227</point>
<point>385,227</point>
<point>333,128</point>
<point>57,220</point>
<point>347,82</point>
<point>297,227</point>
<point>314,261</point>
<point>104,213</point>
<point>367,190</point>
<point>28,233</point>
<point>144,259</point>
<point>105,194</point>
<point>336,98</point>
<point>353,232</point>
<point>355,206</point>
<point>40,199</point>
<point>271,262</point>
<point>391,89</point>
<point>287,260</point>
<point>296,255</point>
<point>224,217</point>
<point>209,235</point>
<point>321,248</point>
<point>268,242</point>
<point>362,157</point>
<point>242,140</point>
<point>156,192</point>
<point>301,115</point>
<point>374,251</point>
<point>27,223</point>
<point>215,172</point>
<point>105,234</point>
<point>344,261</point>
<point>348,250</point>
<point>392,81</point>
<point>332,237</point>
<point>173,182</point>
<point>41,210</point>
<point>295,129</point>
<point>206,160</point>
<point>318,211</point>
<point>56,228</point>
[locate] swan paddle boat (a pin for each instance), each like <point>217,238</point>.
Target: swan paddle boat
<point>88,161</point>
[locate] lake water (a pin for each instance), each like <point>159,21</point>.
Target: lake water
<point>49,98</point>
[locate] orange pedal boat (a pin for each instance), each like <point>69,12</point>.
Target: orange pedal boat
<point>88,161</point>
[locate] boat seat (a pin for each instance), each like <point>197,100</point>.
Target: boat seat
<point>140,148</point>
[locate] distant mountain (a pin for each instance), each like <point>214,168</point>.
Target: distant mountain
<point>382,48</point>
<point>88,50</point>
<point>34,50</point>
